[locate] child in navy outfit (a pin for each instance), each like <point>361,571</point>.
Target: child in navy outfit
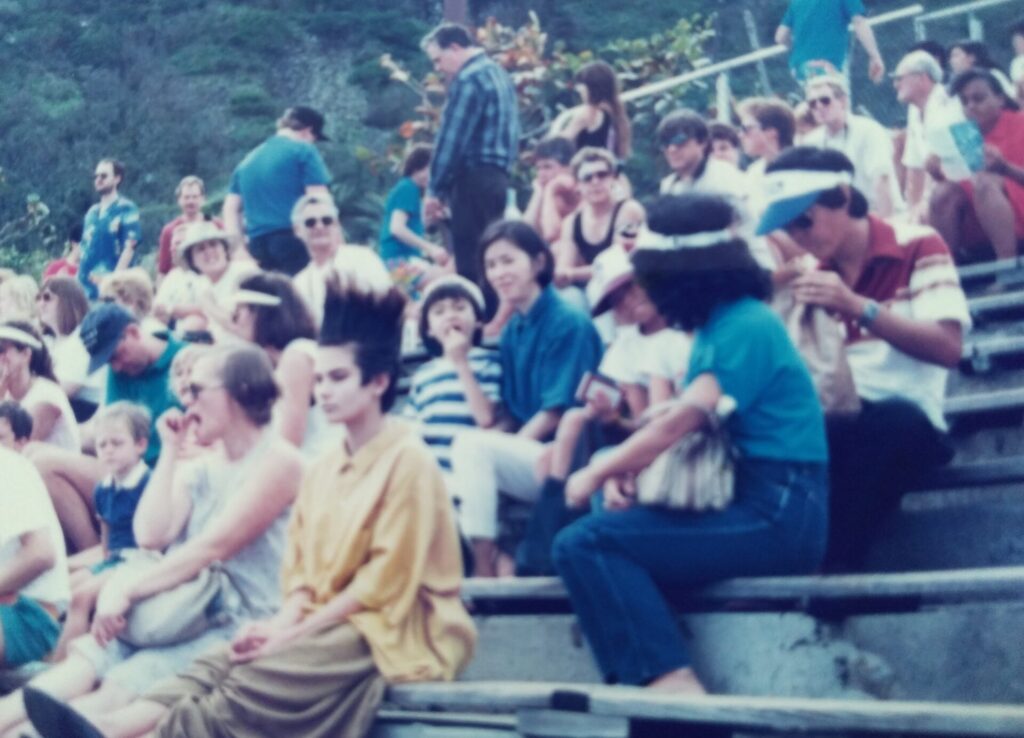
<point>122,434</point>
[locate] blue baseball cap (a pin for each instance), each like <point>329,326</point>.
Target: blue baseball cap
<point>101,332</point>
<point>791,192</point>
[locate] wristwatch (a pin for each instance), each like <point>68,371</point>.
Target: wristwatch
<point>868,315</point>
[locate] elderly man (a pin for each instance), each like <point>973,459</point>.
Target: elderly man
<point>315,222</point>
<point>476,145</point>
<point>930,113</point>
<point>865,142</point>
<point>266,185</point>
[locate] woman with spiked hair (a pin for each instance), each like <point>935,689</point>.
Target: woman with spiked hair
<point>371,574</point>
<point>702,277</point>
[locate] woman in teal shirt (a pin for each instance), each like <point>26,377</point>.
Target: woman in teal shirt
<point>702,278</point>
<point>412,260</point>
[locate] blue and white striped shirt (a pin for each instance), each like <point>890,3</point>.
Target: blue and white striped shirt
<point>437,399</point>
<point>480,124</point>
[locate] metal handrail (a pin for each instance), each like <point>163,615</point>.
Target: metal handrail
<point>754,56</point>
<point>962,9</point>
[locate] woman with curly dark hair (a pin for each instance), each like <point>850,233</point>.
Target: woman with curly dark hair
<point>702,277</point>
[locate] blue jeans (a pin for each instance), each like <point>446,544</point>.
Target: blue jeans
<point>613,563</point>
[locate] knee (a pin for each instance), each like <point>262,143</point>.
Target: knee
<point>988,186</point>
<point>947,195</point>
<point>572,543</point>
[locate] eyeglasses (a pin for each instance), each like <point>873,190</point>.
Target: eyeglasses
<point>679,139</point>
<point>324,220</point>
<point>801,222</point>
<point>601,176</point>
<point>195,389</point>
<point>822,101</point>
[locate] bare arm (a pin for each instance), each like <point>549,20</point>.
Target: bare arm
<point>295,377</point>
<point>127,254</point>
<point>541,425</point>
<point>231,214</point>
<point>398,227</point>
<point>165,504</point>
<point>862,30</point>
<point>36,556</point>
<point>44,417</point>
<point>480,405</point>
<point>915,187</point>
<point>883,196</point>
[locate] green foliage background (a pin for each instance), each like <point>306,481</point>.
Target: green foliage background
<point>187,87</point>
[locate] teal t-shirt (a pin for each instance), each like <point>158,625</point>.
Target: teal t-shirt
<point>778,416</point>
<point>820,30</point>
<point>151,388</point>
<point>544,354</point>
<point>404,196</point>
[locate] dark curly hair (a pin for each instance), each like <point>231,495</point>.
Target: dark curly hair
<point>687,284</point>
<point>278,325</point>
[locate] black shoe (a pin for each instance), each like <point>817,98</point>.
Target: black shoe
<point>56,719</point>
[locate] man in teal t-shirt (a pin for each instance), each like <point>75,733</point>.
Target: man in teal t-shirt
<point>816,30</point>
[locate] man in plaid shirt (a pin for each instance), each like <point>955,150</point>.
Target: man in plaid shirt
<point>477,144</point>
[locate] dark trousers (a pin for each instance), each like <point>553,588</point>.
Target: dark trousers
<point>876,456</point>
<point>477,199</point>
<point>279,251</point>
<point>614,564</point>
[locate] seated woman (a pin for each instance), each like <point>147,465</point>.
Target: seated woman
<point>412,260</point>
<point>545,350</point>
<point>895,288</point>
<point>269,313</point>
<point>371,585</point>
<point>229,507</point>
<point>600,120</point>
<point>26,376</point>
<point>62,305</point>
<point>702,278</point>
<point>598,222</point>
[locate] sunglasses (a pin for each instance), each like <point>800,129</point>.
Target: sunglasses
<point>324,220</point>
<point>801,222</point>
<point>100,177</point>
<point>600,176</point>
<point>822,101</point>
<point>44,296</point>
<point>677,140</point>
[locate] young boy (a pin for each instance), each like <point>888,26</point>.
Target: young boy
<point>33,565</point>
<point>122,435</point>
<point>15,426</point>
<point>461,386</point>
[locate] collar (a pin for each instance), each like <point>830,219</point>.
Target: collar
<point>393,431</point>
<point>882,241</point>
<point>543,305</point>
<point>131,479</point>
<point>468,67</point>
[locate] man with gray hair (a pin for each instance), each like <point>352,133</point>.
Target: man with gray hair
<point>316,225</point>
<point>930,149</point>
<point>266,185</point>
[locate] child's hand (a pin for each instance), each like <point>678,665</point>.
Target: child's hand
<point>455,344</point>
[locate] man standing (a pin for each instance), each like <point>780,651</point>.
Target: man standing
<point>191,196</point>
<point>111,230</point>
<point>476,145</point>
<point>817,29</point>
<point>267,184</point>
<point>864,141</point>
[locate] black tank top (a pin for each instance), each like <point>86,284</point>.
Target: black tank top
<point>589,251</point>
<point>600,137</point>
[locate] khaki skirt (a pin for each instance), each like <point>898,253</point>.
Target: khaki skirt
<point>321,686</point>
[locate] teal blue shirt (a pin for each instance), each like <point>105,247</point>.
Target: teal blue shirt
<point>406,197</point>
<point>820,30</point>
<point>778,416</point>
<point>544,354</point>
<point>151,388</point>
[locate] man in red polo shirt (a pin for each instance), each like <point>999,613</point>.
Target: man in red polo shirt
<point>895,289</point>
<point>988,208</point>
<point>191,195</point>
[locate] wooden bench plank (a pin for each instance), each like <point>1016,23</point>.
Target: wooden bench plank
<point>931,718</point>
<point>978,474</point>
<point>987,269</point>
<point>981,402</point>
<point>486,697</point>
<point>996,303</point>
<point>941,586</point>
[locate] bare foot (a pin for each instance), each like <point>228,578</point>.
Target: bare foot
<point>681,682</point>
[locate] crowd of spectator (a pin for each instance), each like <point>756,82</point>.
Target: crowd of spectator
<point>225,435</point>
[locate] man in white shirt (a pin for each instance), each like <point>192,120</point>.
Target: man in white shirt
<point>315,222</point>
<point>864,141</point>
<point>34,587</point>
<point>930,148</point>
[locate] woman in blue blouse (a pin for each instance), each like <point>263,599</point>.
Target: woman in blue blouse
<point>545,349</point>
<point>702,277</point>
